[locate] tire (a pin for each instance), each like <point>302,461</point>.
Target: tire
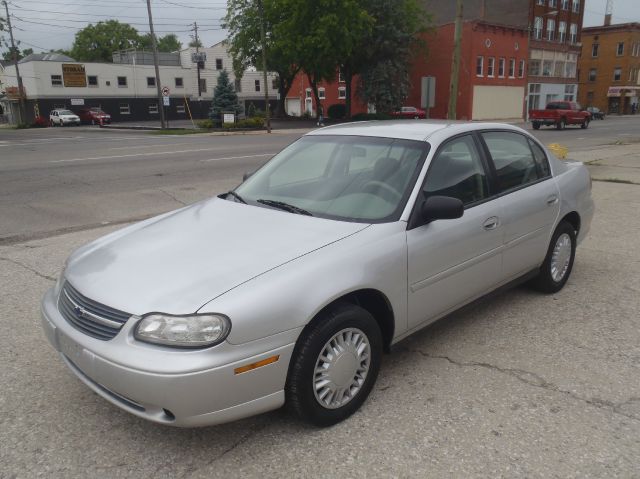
<point>356,331</point>
<point>561,124</point>
<point>551,279</point>
<point>536,125</point>
<point>585,124</point>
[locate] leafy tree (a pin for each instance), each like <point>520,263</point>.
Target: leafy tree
<point>194,44</point>
<point>8,55</point>
<point>225,98</point>
<point>384,56</point>
<point>243,23</point>
<point>96,43</point>
<point>168,43</point>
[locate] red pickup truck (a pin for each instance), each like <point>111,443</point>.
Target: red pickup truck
<point>560,114</point>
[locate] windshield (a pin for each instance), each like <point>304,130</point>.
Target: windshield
<point>348,178</point>
<point>66,112</point>
<point>97,110</point>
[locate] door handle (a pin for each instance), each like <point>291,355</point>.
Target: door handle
<point>491,223</point>
<point>553,199</point>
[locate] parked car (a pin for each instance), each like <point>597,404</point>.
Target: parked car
<point>560,114</point>
<point>94,116</point>
<point>596,113</point>
<point>63,118</point>
<point>410,112</point>
<point>289,288</point>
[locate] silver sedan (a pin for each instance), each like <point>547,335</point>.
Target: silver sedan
<point>289,288</point>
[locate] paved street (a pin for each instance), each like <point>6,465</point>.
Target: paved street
<point>520,385</point>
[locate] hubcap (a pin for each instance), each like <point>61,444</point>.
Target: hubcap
<point>341,368</point>
<point>561,257</point>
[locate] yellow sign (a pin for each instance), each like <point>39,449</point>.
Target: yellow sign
<point>74,75</point>
<point>559,150</point>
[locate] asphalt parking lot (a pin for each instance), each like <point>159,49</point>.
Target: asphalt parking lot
<point>519,385</point>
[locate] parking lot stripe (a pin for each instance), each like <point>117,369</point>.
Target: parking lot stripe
<point>237,157</point>
<point>132,155</point>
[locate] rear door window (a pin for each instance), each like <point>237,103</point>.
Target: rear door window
<point>513,159</point>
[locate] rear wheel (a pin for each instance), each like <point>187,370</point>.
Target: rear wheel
<point>558,263</point>
<point>335,365</point>
<point>561,124</point>
<point>536,125</point>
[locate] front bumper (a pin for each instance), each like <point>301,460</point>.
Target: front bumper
<point>176,387</point>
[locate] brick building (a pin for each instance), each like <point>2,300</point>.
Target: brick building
<point>610,67</point>
<point>492,78</point>
<point>556,30</point>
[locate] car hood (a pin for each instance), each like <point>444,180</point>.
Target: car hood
<point>180,261</point>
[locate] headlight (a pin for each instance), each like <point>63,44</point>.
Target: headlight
<point>194,331</point>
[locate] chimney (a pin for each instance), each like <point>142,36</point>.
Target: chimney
<point>608,13</point>
<point>607,20</point>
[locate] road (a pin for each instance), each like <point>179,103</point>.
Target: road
<point>519,385</point>
<point>58,180</point>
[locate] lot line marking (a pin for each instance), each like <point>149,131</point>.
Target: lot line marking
<point>237,157</point>
<point>156,153</point>
<point>147,146</point>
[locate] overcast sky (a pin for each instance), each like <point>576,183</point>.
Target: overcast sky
<point>51,24</point>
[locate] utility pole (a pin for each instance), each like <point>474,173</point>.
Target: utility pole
<point>197,40</point>
<point>264,66</point>
<point>455,64</point>
<point>155,63</point>
<point>14,50</point>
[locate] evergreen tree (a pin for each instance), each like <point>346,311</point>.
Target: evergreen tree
<point>224,98</point>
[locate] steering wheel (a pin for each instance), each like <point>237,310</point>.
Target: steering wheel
<point>380,186</point>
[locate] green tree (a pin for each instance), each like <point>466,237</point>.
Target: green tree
<point>243,23</point>
<point>169,43</point>
<point>194,44</point>
<point>8,55</point>
<point>225,98</point>
<point>96,43</point>
<point>384,56</point>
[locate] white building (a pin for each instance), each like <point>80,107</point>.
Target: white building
<point>127,89</point>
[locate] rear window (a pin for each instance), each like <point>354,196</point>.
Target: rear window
<point>557,106</point>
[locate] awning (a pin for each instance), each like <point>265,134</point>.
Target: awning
<point>616,91</point>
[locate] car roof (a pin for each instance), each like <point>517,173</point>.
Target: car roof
<point>420,130</point>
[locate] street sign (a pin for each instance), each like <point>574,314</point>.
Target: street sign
<point>165,91</point>
<point>428,92</point>
<point>166,101</point>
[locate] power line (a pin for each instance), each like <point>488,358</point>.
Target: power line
<point>99,14</point>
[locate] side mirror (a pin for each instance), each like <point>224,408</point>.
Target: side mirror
<point>247,175</point>
<point>441,208</point>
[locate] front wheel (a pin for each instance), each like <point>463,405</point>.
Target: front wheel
<point>536,125</point>
<point>561,124</point>
<point>585,124</point>
<point>558,263</point>
<point>334,365</point>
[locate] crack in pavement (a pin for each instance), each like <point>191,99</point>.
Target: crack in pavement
<point>532,379</point>
<point>173,197</point>
<point>29,268</point>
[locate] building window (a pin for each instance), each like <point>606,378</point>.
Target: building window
<point>547,68</point>
<point>570,70</point>
<point>92,80</point>
<point>203,85</point>
<point>307,93</point>
<point>512,68</point>
<point>562,32</point>
<point>589,97</point>
<point>179,82</point>
<point>551,29</point>
<point>558,70</point>
<point>592,74</point>
<point>56,80</point>
<point>274,83</point>
<point>521,69</point>
<point>122,83</point>
<point>620,49</point>
<point>569,93</point>
<point>617,74</point>
<point>534,96</point>
<point>151,82</point>
<point>565,4</point>
<point>237,85</point>
<point>537,28</point>
<point>501,65</point>
<point>218,63</point>
<point>257,85</point>
<point>342,93</point>
<point>180,108</point>
<point>573,33</point>
<point>594,50</point>
<point>480,66</point>
<point>491,66</point>
<point>153,109</point>
<point>539,2</point>
<point>576,6</point>
<point>553,3</point>
<point>534,67</point>
<point>340,76</point>
<point>124,109</point>
<point>321,95</point>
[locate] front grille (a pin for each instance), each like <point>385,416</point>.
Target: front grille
<point>88,316</point>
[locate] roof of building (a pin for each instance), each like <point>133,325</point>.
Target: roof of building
<point>47,57</point>
<point>612,27</point>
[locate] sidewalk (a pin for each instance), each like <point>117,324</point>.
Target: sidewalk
<point>617,162</point>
